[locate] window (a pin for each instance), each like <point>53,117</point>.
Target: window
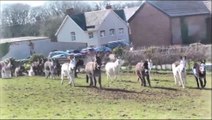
<point>112,31</point>
<point>121,30</point>
<point>102,33</point>
<point>73,36</point>
<point>90,34</point>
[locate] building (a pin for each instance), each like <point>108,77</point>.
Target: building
<point>163,23</point>
<point>23,47</point>
<point>94,28</point>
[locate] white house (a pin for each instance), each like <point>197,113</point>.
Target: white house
<point>22,47</point>
<point>94,28</point>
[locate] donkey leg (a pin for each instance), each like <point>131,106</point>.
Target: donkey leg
<point>175,79</point>
<point>148,80</point>
<point>181,80</point>
<point>141,80</point>
<point>94,81</point>
<point>201,82</point>
<point>47,74</point>
<point>100,81</point>
<point>204,82</point>
<point>87,78</point>
<point>197,80</point>
<point>71,80</point>
<point>62,77</point>
<point>108,78</point>
<point>91,81</point>
<point>144,80</point>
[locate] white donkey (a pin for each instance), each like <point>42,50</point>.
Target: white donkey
<point>179,72</point>
<point>67,70</point>
<point>113,69</point>
<point>6,70</point>
<point>31,71</point>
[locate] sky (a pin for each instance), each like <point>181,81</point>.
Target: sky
<point>32,3</point>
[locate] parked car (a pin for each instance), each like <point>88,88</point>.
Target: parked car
<point>86,50</point>
<point>70,51</point>
<point>59,56</point>
<point>115,44</point>
<point>103,49</point>
<point>51,54</point>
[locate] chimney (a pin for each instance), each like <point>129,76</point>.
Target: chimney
<point>70,11</point>
<point>108,6</point>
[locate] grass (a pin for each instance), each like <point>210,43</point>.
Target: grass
<point>37,97</point>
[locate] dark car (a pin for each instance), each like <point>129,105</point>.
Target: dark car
<point>115,44</point>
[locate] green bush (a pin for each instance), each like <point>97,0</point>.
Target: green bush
<point>27,66</point>
<point>35,57</point>
<point>4,49</point>
<point>118,51</point>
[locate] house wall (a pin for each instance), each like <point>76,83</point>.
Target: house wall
<point>21,50</point>
<point>197,28</point>
<point>113,21</point>
<point>176,31</point>
<point>150,27</point>
<point>69,26</point>
<point>92,41</point>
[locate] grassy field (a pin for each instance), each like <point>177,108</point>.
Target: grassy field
<point>37,97</point>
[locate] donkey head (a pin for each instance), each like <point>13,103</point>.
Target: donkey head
<point>119,62</point>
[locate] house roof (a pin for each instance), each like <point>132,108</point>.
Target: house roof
<point>129,12</point>
<point>95,18</point>
<point>22,39</point>
<point>121,14</point>
<point>180,8</point>
<point>126,13</point>
<point>208,5</point>
<point>90,20</point>
<point>80,20</point>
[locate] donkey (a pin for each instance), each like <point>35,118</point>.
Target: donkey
<point>179,71</point>
<point>67,70</point>
<point>19,71</point>
<point>199,72</point>
<point>6,69</point>
<point>50,68</point>
<point>93,70</point>
<point>79,64</point>
<point>142,71</point>
<point>31,71</point>
<point>113,69</point>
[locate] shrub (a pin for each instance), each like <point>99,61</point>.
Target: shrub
<point>118,51</point>
<point>35,57</point>
<point>4,49</point>
<point>168,55</point>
